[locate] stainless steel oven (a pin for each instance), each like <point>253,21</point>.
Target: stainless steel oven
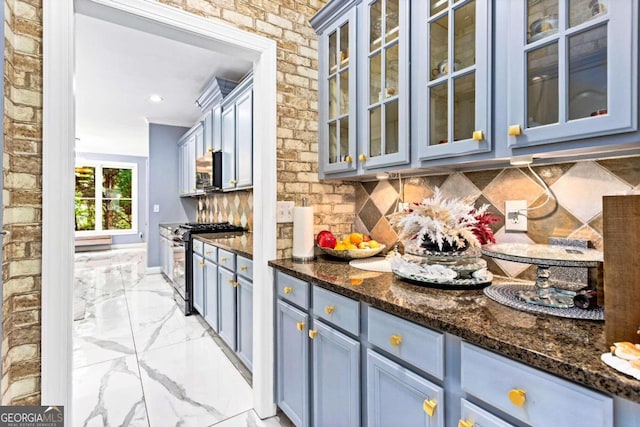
<point>179,268</point>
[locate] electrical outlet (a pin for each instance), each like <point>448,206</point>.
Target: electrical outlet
<point>156,208</point>
<point>284,211</point>
<point>515,218</point>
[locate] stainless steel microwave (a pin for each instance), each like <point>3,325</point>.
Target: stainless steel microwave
<point>209,171</point>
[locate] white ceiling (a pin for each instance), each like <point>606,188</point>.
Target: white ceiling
<point>117,68</point>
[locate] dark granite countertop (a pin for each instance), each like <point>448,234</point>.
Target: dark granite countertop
<point>238,243</point>
<point>567,348</point>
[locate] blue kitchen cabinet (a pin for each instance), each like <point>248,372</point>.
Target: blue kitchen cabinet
<point>398,397</point>
<point>199,144</point>
<point>216,128</point>
<point>245,321</point>
<point>572,71</point>
<point>227,305</point>
<point>198,283</point>
<point>337,94</point>
<point>237,138</point>
<point>451,78</point>
<point>292,363</point>
<point>336,377</point>
<point>211,294</point>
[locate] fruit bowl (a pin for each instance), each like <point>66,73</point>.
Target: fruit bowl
<point>349,254</point>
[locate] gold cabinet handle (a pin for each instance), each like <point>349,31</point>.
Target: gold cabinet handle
<point>300,326</point>
<point>235,284</point>
<point>478,135</point>
<point>517,396</point>
<point>287,290</point>
<point>465,423</point>
<point>233,181</point>
<point>313,333</point>
<point>362,157</point>
<point>201,264</point>
<point>224,259</point>
<point>208,253</point>
<point>395,340</point>
<point>230,281</point>
<point>243,268</point>
<point>429,406</point>
<point>210,149</point>
<point>348,159</point>
<point>330,309</point>
<point>515,130</point>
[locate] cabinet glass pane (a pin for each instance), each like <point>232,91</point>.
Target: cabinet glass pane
<point>438,5</point>
<point>438,114</point>
<point>332,52</point>
<point>333,97</point>
<point>344,92</point>
<point>375,26</point>
<point>344,138</point>
<point>375,132</point>
<point>375,78</point>
<point>542,19</point>
<point>393,20</point>
<point>439,46</point>
<point>333,143</point>
<point>588,73</point>
<point>391,73</point>
<point>391,127</point>
<point>464,41</point>
<point>464,106</point>
<point>542,86</point>
<point>344,45</point>
<point>583,10</point>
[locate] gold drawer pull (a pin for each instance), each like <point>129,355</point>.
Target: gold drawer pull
<point>313,333</point>
<point>300,326</point>
<point>230,281</point>
<point>244,268</point>
<point>395,340</point>
<point>330,309</point>
<point>429,406</point>
<point>210,150</point>
<point>224,259</point>
<point>517,396</point>
<point>515,130</point>
<point>348,159</point>
<point>465,423</point>
<point>233,181</point>
<point>201,264</point>
<point>287,290</point>
<point>362,157</point>
<point>208,253</point>
<point>478,135</point>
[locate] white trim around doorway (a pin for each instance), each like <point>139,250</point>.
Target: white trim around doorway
<point>58,183</point>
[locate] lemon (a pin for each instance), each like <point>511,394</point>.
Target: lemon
<point>340,247</point>
<point>373,244</point>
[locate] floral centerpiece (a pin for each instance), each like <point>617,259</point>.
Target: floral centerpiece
<point>440,224</point>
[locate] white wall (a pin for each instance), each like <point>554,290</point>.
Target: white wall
<point>96,144</point>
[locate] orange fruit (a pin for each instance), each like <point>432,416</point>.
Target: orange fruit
<point>356,238</point>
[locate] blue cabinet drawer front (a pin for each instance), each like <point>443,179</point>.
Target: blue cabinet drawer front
<point>412,343</point>
<point>397,397</point>
<point>478,417</point>
<point>245,267</point>
<point>341,311</point>
<point>227,259</point>
<point>198,247</point>
<point>548,400</point>
<point>292,289</point>
<point>210,252</point>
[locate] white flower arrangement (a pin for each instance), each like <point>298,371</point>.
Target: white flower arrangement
<point>448,223</point>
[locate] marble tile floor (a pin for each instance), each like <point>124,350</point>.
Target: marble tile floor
<point>139,362</point>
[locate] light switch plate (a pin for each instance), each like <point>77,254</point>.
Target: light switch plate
<point>156,208</point>
<point>284,211</point>
<point>515,215</point>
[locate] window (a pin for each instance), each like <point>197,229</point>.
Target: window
<point>105,198</point>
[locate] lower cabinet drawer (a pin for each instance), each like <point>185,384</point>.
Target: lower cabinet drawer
<point>415,344</point>
<point>197,246</point>
<point>530,395</point>
<point>341,311</point>
<point>473,416</point>
<point>292,289</point>
<point>227,259</point>
<point>244,267</point>
<point>211,252</point>
<point>398,397</point>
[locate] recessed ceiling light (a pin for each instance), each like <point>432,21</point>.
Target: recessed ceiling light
<point>155,98</point>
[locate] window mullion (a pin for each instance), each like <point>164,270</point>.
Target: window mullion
<point>98,186</point>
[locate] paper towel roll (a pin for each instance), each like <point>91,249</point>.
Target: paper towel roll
<point>302,233</point>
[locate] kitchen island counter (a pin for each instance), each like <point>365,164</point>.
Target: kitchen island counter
<point>567,348</point>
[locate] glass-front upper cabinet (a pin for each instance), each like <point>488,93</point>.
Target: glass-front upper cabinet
<point>452,77</point>
<point>384,102</point>
<point>337,95</point>
<point>572,70</point>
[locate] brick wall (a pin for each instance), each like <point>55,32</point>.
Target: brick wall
<point>287,22</point>
<point>22,202</point>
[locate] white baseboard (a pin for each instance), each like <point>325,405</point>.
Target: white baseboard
<point>154,270</point>
<point>129,246</point>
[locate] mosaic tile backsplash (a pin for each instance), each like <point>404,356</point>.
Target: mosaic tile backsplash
<point>235,207</point>
<point>574,211</point>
